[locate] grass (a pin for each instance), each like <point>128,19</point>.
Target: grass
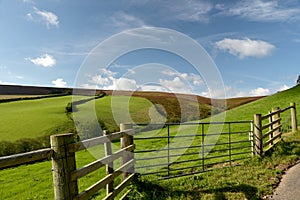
<point>264,105</point>
<point>254,179</point>
<point>34,181</point>
<point>31,118</point>
<point>191,148</point>
<point>34,118</point>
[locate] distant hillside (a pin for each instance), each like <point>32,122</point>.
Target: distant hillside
<point>168,101</point>
<point>30,90</point>
<point>264,105</point>
<point>188,103</point>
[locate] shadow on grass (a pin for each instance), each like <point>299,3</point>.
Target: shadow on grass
<point>144,189</point>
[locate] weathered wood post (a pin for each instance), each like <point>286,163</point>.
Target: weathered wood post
<point>271,129</point>
<point>258,135</point>
<point>63,163</point>
<point>126,141</point>
<point>293,117</point>
<point>251,138</point>
<point>275,117</point>
<point>109,166</point>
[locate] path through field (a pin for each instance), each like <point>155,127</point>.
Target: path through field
<point>288,189</point>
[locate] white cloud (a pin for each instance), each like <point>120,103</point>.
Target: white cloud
<point>90,86</point>
<point>108,72</point>
<point>28,1</point>
<point>153,87</point>
<point>123,20</point>
<point>45,60</point>
<point>216,93</point>
<point>192,78</point>
<point>284,87</point>
<point>246,47</point>
<point>260,92</point>
<point>7,83</point>
<point>192,10</point>
<point>59,82</point>
<point>176,85</point>
<point>46,17</point>
<point>100,80</point>
<point>125,84</point>
<point>258,10</point>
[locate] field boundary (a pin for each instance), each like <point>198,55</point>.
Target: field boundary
<point>268,134</point>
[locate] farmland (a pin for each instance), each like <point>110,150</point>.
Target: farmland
<point>37,178</point>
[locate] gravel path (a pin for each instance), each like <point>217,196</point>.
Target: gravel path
<point>289,187</point>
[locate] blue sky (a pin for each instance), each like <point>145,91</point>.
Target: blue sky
<point>255,44</point>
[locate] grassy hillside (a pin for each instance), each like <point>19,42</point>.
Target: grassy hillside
<point>184,107</point>
<point>264,105</point>
<point>33,118</point>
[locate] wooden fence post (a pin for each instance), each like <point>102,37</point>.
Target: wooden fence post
<point>126,141</point>
<point>109,166</point>
<point>258,135</point>
<point>275,117</point>
<point>251,138</point>
<point>293,117</point>
<point>63,163</point>
<point>270,129</point>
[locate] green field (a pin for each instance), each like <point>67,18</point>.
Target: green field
<point>33,118</point>
<point>228,183</point>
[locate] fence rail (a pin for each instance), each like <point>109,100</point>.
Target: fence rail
<point>266,136</point>
<point>24,158</point>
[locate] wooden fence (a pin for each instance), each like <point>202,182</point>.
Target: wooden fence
<point>267,134</point>
<point>65,174</point>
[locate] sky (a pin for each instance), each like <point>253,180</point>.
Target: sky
<point>253,44</point>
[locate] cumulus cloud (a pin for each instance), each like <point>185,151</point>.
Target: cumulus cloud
<point>45,60</point>
<point>45,17</point>
<point>260,92</point>
<point>100,80</point>
<point>246,47</point>
<point>125,84</point>
<point>59,82</point>
<point>175,85</point>
<point>262,11</point>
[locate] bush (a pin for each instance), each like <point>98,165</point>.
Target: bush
<point>23,145</point>
<point>70,107</point>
